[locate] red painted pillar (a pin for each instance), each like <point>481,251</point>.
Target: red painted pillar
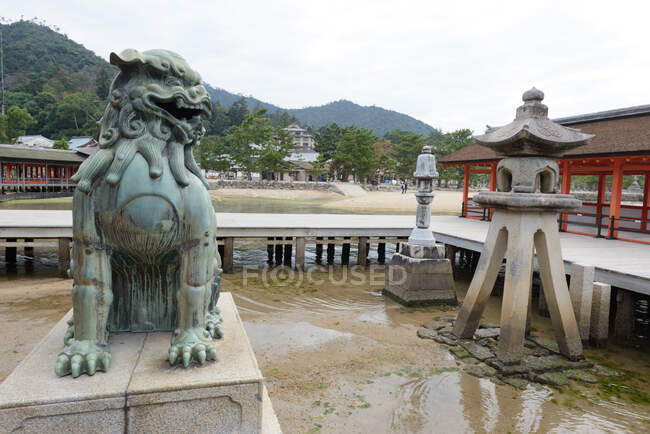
<point>566,187</point>
<point>615,202</point>
<point>602,183</point>
<point>493,177</point>
<point>646,201</point>
<point>466,189</point>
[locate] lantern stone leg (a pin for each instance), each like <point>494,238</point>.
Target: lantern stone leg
<point>556,291</point>
<point>485,275</point>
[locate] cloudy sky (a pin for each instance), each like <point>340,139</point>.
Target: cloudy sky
<point>450,64</point>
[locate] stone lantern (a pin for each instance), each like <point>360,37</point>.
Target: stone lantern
<point>526,205</point>
<point>425,172</point>
<point>419,274</point>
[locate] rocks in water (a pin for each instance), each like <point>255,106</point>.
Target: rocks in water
<point>426,333</point>
<point>546,343</point>
<point>446,330</point>
<point>487,333</point>
<point>519,383</point>
<point>477,351</point>
<point>446,340</point>
<point>447,319</point>
<point>488,325</point>
<point>435,325</point>
<point>480,371</point>
<point>508,369</point>
<point>553,363</point>
<point>460,352</point>
<point>536,351</point>
<point>552,378</point>
<point>579,375</point>
<point>605,372</point>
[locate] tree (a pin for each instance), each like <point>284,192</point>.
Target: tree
<point>355,154</point>
<point>102,83</point>
<point>14,123</point>
<point>274,151</point>
<point>213,153</point>
<point>406,148</point>
<point>451,142</point>
<point>257,146</point>
<point>326,139</point>
<point>238,111</point>
<point>219,122</point>
<point>62,143</point>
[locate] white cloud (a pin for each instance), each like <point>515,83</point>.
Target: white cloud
<point>450,65</point>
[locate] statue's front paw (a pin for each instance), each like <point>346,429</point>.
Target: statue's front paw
<point>213,324</point>
<point>191,344</point>
<point>80,357</point>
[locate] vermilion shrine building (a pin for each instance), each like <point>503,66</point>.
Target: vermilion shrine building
<point>26,169</point>
<point>621,147</point>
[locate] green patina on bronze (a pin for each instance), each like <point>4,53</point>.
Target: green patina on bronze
<point>144,254</point>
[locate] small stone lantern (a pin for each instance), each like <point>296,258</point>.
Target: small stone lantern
<point>419,274</point>
<point>425,172</point>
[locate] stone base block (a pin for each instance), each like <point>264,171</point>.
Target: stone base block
<point>420,281</point>
<point>141,392</point>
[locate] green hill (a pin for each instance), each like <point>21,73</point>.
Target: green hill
<point>343,112</point>
<point>63,85</point>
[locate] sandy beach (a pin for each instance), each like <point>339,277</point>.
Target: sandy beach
<point>444,202</point>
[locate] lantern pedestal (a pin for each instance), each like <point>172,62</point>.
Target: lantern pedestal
<point>522,224</point>
<point>420,276</point>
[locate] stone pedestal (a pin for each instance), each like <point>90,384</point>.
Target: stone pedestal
<point>420,276</point>
<point>141,392</point>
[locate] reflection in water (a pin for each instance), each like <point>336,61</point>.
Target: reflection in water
<point>489,404</point>
<point>530,416</point>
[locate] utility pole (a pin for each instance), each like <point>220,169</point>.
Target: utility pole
<point>2,72</point>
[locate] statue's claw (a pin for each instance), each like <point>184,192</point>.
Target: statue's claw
<point>80,357</point>
<point>69,333</point>
<point>190,345</point>
<point>213,324</point>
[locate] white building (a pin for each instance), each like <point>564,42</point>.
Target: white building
<point>35,141</point>
<point>301,138</point>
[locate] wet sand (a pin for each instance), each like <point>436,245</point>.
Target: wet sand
<point>445,202</point>
<point>339,357</point>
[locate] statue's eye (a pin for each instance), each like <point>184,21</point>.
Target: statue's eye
<point>172,81</point>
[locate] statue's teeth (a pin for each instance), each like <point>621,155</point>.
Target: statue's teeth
<point>179,102</point>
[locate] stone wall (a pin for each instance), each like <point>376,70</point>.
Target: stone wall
<point>273,185</point>
<point>592,196</point>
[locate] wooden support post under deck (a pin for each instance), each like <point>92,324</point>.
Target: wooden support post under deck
<point>269,252</point>
<point>624,318</point>
<point>330,252</point>
<point>345,252</point>
<point>300,253</point>
<point>10,252</point>
<point>228,251</point>
<point>362,256</point>
<point>319,250</point>
<point>29,250</point>
<point>288,248</point>
<point>64,256</point>
<point>278,252</point>
<point>381,251</point>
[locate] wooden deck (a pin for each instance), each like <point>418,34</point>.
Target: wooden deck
<point>619,263</point>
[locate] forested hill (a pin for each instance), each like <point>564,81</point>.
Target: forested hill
<point>63,86</point>
<point>342,112</point>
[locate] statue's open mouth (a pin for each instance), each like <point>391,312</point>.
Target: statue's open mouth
<point>182,110</point>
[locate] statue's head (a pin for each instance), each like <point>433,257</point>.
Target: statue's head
<point>154,107</point>
<point>160,86</point>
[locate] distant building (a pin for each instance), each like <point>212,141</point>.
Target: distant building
<point>31,168</point>
<point>301,138</point>
<point>81,142</point>
<point>35,141</point>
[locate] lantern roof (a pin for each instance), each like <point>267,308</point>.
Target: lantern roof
<point>426,164</point>
<point>532,133</point>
